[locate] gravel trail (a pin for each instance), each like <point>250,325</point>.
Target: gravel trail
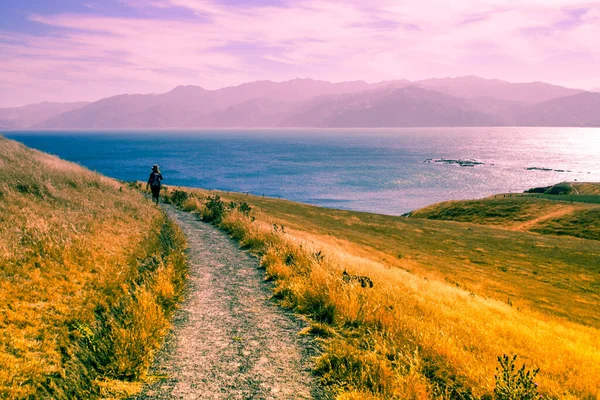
<point>229,340</point>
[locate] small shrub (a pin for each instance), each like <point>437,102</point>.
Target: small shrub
<point>134,185</point>
<point>244,208</point>
<point>215,209</point>
<point>512,384</point>
<point>179,197</point>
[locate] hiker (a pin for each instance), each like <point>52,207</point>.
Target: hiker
<point>154,182</point>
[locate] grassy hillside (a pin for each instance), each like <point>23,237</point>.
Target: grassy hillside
<point>576,189</point>
<point>89,273</point>
<point>555,214</point>
<point>587,188</point>
<point>448,298</point>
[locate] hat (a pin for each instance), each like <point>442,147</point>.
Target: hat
<point>155,166</point>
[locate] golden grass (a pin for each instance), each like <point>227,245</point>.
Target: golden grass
<point>435,321</point>
<point>587,188</point>
<point>89,273</point>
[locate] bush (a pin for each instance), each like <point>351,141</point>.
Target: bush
<point>179,197</point>
<point>244,208</point>
<point>215,209</point>
<point>515,385</point>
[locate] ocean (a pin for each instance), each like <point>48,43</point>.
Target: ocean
<point>388,171</point>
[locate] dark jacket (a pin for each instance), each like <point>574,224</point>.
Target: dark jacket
<point>155,177</point>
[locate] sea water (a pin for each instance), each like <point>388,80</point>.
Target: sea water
<point>376,170</point>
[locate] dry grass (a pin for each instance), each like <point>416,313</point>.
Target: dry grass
<point>435,321</point>
<point>89,273</point>
<point>587,188</point>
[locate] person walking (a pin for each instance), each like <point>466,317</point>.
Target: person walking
<point>154,181</point>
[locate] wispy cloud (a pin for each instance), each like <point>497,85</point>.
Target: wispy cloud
<point>151,46</point>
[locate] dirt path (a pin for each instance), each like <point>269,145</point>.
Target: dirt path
<point>230,341</point>
<point>562,211</point>
<point>574,188</point>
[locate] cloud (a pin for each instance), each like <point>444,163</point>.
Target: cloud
<point>159,44</point>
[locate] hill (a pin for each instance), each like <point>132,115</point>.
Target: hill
<point>390,107</point>
<point>573,211</point>
<point>581,109</point>
<point>192,106</point>
<point>465,101</point>
<point>586,189</point>
<point>26,116</point>
<point>90,272</point>
<point>471,87</point>
<point>448,298</point>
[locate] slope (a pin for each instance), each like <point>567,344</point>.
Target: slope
<point>390,107</point>
<point>185,106</point>
<point>556,214</point>
<point>26,116</point>
<point>447,299</point>
<point>582,109</point>
<point>89,273</point>
<point>470,87</point>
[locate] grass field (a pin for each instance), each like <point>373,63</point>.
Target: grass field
<point>89,273</point>
<point>579,192</point>
<point>567,198</point>
<point>528,212</point>
<point>448,297</point>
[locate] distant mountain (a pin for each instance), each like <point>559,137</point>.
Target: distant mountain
<point>391,107</point>
<point>295,90</point>
<point>465,101</point>
<point>582,109</point>
<point>102,113</point>
<point>8,125</point>
<point>254,113</point>
<point>185,105</point>
<point>26,116</point>
<point>504,112</point>
<point>596,90</point>
<point>470,87</point>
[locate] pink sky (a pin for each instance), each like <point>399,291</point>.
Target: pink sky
<point>111,47</point>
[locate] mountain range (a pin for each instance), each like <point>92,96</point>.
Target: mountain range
<point>33,114</point>
<point>465,101</point>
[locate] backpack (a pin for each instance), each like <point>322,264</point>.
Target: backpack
<point>155,182</point>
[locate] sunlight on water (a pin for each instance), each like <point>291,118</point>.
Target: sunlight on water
<point>379,170</point>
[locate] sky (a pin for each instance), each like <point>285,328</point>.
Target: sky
<point>84,50</point>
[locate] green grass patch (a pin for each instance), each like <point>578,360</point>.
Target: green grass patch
<point>581,223</point>
<point>492,211</point>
